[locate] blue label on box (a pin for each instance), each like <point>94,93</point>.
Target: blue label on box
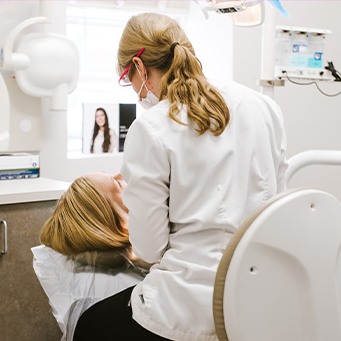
<point>19,174</point>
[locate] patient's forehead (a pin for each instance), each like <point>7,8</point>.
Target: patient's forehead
<point>110,186</point>
<point>100,180</point>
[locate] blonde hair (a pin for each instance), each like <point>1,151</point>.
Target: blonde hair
<point>168,49</point>
<point>84,220</point>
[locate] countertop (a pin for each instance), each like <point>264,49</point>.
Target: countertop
<point>31,190</point>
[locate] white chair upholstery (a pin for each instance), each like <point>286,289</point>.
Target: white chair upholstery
<point>280,277</point>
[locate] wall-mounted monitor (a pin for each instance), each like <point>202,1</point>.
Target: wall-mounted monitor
<point>105,126</point>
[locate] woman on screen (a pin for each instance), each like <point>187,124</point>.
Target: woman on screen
<point>104,139</point>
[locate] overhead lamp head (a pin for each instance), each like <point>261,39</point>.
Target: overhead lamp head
<point>230,6</point>
<point>243,12</point>
<point>253,15</point>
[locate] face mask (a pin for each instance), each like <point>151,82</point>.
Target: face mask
<point>150,100</point>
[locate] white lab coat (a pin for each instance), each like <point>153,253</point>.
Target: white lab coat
<point>186,196</point>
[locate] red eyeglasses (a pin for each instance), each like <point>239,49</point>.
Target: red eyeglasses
<point>124,79</point>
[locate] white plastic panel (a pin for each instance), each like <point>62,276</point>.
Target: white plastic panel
<point>284,279</point>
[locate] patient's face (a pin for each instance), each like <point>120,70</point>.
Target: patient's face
<point>111,186</point>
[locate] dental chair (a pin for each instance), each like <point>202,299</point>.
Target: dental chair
<point>280,277</point>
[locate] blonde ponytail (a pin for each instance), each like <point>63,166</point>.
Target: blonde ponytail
<point>185,83</point>
<point>168,49</point>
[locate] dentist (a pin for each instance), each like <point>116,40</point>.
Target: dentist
<point>197,162</point>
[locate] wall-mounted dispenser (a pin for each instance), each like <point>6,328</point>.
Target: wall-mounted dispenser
<point>299,53</point>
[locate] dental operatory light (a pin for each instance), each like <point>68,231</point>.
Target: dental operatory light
<point>245,13</point>
<point>223,6</point>
<point>242,12</point>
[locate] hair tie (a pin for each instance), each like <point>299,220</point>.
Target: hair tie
<point>172,47</point>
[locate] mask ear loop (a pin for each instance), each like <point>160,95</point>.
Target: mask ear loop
<point>143,81</point>
<point>139,71</point>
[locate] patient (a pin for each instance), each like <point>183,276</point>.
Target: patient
<point>89,223</point>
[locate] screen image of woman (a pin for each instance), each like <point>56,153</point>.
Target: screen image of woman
<point>104,138</point>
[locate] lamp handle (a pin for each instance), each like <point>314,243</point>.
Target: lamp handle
<point>6,62</point>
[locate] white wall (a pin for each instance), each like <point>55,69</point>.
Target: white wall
<point>212,40</point>
<point>312,120</point>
